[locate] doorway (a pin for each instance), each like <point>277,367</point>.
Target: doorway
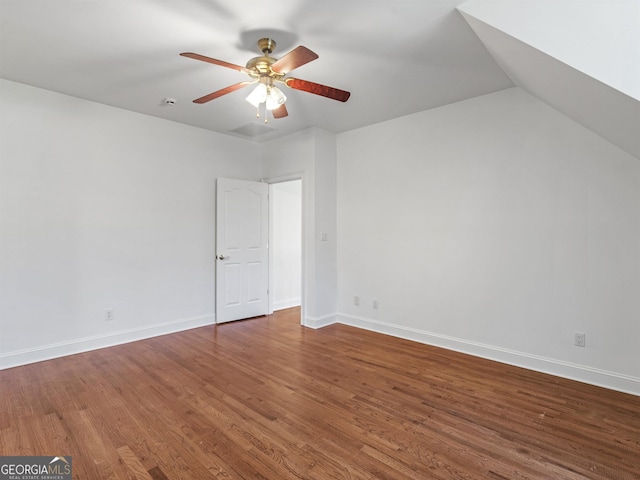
<point>285,232</point>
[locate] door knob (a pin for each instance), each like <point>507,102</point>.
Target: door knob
<point>222,257</point>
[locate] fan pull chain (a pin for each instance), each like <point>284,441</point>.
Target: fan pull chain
<point>266,117</point>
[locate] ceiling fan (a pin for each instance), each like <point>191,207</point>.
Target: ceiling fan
<point>265,73</point>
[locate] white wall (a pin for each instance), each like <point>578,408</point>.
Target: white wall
<point>104,208</point>
<point>494,226</point>
<point>285,203</point>
<point>325,240</point>
<point>311,155</point>
<point>498,227</point>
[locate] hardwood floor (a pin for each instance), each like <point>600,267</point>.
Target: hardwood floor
<point>269,399</point>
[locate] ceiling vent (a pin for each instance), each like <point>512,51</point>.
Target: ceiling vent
<point>252,130</point>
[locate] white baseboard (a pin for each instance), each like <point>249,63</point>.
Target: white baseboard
<point>593,376</point>
<point>319,322</point>
<point>56,350</point>
<point>581,373</point>
<point>282,304</point>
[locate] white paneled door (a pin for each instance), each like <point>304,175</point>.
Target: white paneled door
<point>242,260</point>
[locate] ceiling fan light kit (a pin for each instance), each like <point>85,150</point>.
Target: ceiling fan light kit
<point>265,71</point>
<point>258,95</point>
<point>275,98</point>
<point>268,94</point>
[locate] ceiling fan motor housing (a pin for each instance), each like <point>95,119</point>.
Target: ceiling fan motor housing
<point>262,65</point>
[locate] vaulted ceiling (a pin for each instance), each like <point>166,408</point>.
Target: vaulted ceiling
<point>582,58</point>
<point>396,57</point>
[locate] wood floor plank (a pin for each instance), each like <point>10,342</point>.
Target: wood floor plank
<point>267,398</point>
<point>133,463</point>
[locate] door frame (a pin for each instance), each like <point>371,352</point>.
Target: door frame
<point>303,240</point>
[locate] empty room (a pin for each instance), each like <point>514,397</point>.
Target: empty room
<point>308,239</point>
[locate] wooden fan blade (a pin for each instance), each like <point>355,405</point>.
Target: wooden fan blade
<point>221,92</point>
<point>280,112</point>
<point>294,59</point>
<point>318,89</point>
<point>222,63</point>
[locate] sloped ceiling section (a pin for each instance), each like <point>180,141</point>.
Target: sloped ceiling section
<point>599,89</point>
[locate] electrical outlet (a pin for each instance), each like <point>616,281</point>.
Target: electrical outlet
<point>375,304</point>
<point>579,339</point>
<point>356,301</point>
<point>108,315</point>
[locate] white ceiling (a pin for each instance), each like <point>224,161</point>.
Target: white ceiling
<point>595,105</point>
<point>396,57</point>
<point>581,58</point>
